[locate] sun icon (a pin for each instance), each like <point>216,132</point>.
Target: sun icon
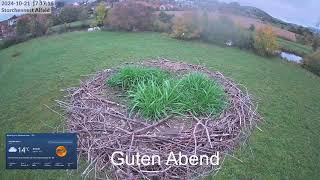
<point>61,151</point>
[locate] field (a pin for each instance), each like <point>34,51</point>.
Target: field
<point>296,48</point>
<point>286,148</point>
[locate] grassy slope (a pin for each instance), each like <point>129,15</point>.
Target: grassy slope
<point>294,47</point>
<point>289,96</point>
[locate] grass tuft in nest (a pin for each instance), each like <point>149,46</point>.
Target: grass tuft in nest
<point>200,95</point>
<point>155,100</point>
<point>195,92</point>
<point>128,77</point>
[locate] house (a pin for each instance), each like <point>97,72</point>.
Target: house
<point>6,30</point>
<point>12,21</point>
<point>8,27</point>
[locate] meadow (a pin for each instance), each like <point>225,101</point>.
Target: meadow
<point>33,73</point>
<point>294,47</point>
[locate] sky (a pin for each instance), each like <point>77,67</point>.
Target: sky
<point>5,16</point>
<point>302,12</point>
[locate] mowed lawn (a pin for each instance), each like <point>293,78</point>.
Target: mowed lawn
<point>288,147</point>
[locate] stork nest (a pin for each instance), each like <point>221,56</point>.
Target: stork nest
<point>104,126</point>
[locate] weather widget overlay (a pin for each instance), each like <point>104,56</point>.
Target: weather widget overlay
<point>41,151</point>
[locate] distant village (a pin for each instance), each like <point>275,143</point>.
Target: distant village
<point>7,27</point>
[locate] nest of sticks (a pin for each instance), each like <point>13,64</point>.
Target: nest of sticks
<point>104,126</point>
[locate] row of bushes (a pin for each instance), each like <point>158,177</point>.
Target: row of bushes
<point>312,63</point>
<point>12,41</point>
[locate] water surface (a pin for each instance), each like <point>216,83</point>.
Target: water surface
<point>291,57</point>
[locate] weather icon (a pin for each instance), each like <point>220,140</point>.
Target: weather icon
<point>12,150</point>
<point>61,151</point>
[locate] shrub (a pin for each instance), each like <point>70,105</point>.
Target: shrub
<point>162,23</point>
<point>12,41</point>
<point>55,20</point>
<point>159,26</point>
<point>222,30</point>
<point>69,14</point>
<point>315,43</point>
<point>100,14</point>
<point>164,17</point>
<point>36,27</point>
<point>128,77</point>
<point>312,63</point>
<point>218,31</point>
<point>252,27</point>
<point>22,27</point>
<point>265,42</point>
<point>243,39</point>
<point>131,16</point>
<point>186,26</point>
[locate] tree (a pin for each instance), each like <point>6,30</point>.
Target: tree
<point>220,31</point>
<point>59,4</point>
<point>312,63</point>
<point>164,17</point>
<point>69,14</point>
<point>23,27</point>
<point>204,21</point>
<point>315,43</point>
<point>186,26</point>
<point>131,16</point>
<point>252,27</point>
<point>36,27</point>
<point>83,14</point>
<point>265,42</point>
<point>112,2</point>
<point>101,13</point>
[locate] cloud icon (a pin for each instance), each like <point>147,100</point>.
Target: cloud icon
<point>12,149</point>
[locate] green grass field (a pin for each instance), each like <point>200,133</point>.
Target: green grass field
<point>289,96</point>
<point>73,25</point>
<point>297,48</point>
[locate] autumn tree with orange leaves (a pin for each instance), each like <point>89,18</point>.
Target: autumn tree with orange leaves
<point>265,42</point>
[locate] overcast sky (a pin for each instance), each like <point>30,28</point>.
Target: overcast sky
<point>303,12</point>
